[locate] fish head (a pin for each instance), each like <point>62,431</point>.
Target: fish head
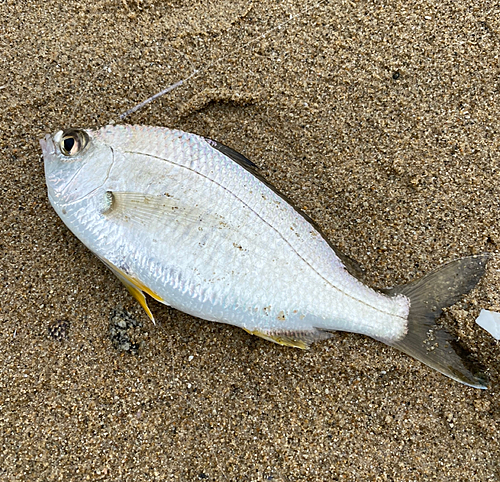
<point>77,164</point>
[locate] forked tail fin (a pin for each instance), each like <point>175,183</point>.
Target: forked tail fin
<point>425,340</point>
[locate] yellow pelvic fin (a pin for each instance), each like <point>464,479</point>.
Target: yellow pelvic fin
<point>134,287</point>
<point>139,296</point>
<point>281,339</point>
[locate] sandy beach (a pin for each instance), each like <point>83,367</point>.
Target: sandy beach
<point>380,121</point>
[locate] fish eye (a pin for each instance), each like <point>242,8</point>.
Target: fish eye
<point>73,142</point>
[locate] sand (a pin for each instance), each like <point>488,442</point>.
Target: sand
<point>380,121</point>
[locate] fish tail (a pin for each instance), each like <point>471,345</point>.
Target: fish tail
<point>427,341</point>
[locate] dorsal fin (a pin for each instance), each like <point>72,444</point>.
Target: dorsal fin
<point>233,155</point>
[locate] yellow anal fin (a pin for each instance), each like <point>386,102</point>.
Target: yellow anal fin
<point>134,287</point>
<point>281,339</point>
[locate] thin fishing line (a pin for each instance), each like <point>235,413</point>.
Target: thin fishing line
<point>206,67</point>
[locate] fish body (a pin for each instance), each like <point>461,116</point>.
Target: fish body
<point>187,221</point>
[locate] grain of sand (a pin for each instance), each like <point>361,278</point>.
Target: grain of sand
<point>380,119</point>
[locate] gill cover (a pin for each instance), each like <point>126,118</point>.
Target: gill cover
<point>76,164</point>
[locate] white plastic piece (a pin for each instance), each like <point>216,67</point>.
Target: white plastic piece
<point>490,321</point>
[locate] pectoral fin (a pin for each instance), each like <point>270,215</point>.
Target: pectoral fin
<point>144,209</point>
<point>134,287</point>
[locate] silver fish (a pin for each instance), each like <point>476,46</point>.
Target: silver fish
<point>189,222</point>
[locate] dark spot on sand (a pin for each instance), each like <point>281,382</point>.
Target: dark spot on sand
<point>58,330</point>
<point>122,331</point>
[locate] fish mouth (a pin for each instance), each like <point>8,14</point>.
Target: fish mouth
<point>47,145</point>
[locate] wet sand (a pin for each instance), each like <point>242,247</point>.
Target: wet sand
<point>381,122</point>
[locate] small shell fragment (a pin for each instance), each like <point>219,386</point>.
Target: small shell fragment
<point>490,321</point>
